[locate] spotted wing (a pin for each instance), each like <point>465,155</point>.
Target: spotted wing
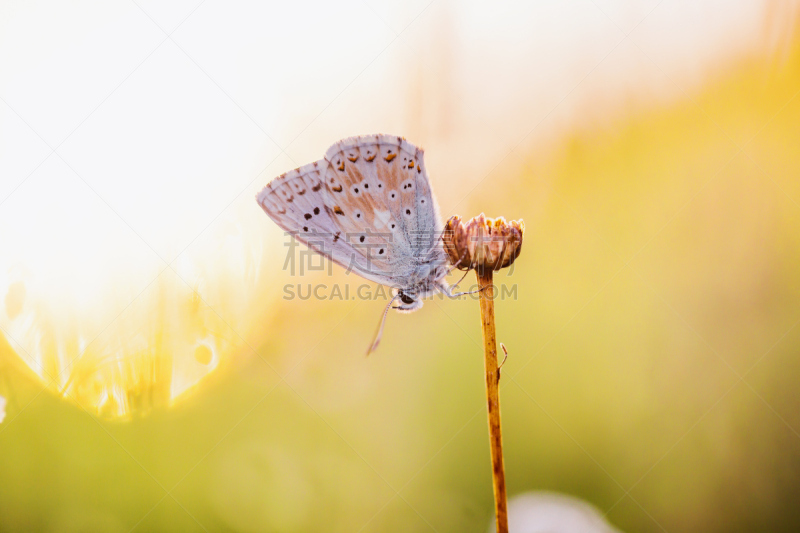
<point>303,205</point>
<point>368,206</point>
<point>383,181</point>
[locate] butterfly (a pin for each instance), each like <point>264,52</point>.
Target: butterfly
<point>368,206</point>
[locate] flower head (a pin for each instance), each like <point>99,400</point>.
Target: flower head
<point>483,243</point>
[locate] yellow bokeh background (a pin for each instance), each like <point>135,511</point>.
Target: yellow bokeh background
<point>653,343</point>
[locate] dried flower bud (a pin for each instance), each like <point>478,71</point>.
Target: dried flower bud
<point>483,243</point>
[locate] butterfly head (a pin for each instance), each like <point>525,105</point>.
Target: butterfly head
<point>407,301</point>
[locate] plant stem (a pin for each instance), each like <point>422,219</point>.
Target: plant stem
<point>493,397</point>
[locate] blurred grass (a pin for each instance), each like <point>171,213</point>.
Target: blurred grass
<point>661,264</point>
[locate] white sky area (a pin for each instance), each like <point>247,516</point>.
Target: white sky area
<point>133,136</point>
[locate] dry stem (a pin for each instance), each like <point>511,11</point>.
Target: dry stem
<point>492,397</point>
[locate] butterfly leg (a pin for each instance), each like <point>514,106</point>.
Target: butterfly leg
<point>457,294</point>
<point>455,266</point>
<point>460,280</point>
<point>448,290</point>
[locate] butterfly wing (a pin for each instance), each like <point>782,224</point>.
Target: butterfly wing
<point>303,205</point>
<point>386,174</point>
<point>368,206</point>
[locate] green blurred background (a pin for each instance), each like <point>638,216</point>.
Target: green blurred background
<point>653,362</point>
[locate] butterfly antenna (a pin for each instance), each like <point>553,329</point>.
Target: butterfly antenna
<point>377,339</point>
